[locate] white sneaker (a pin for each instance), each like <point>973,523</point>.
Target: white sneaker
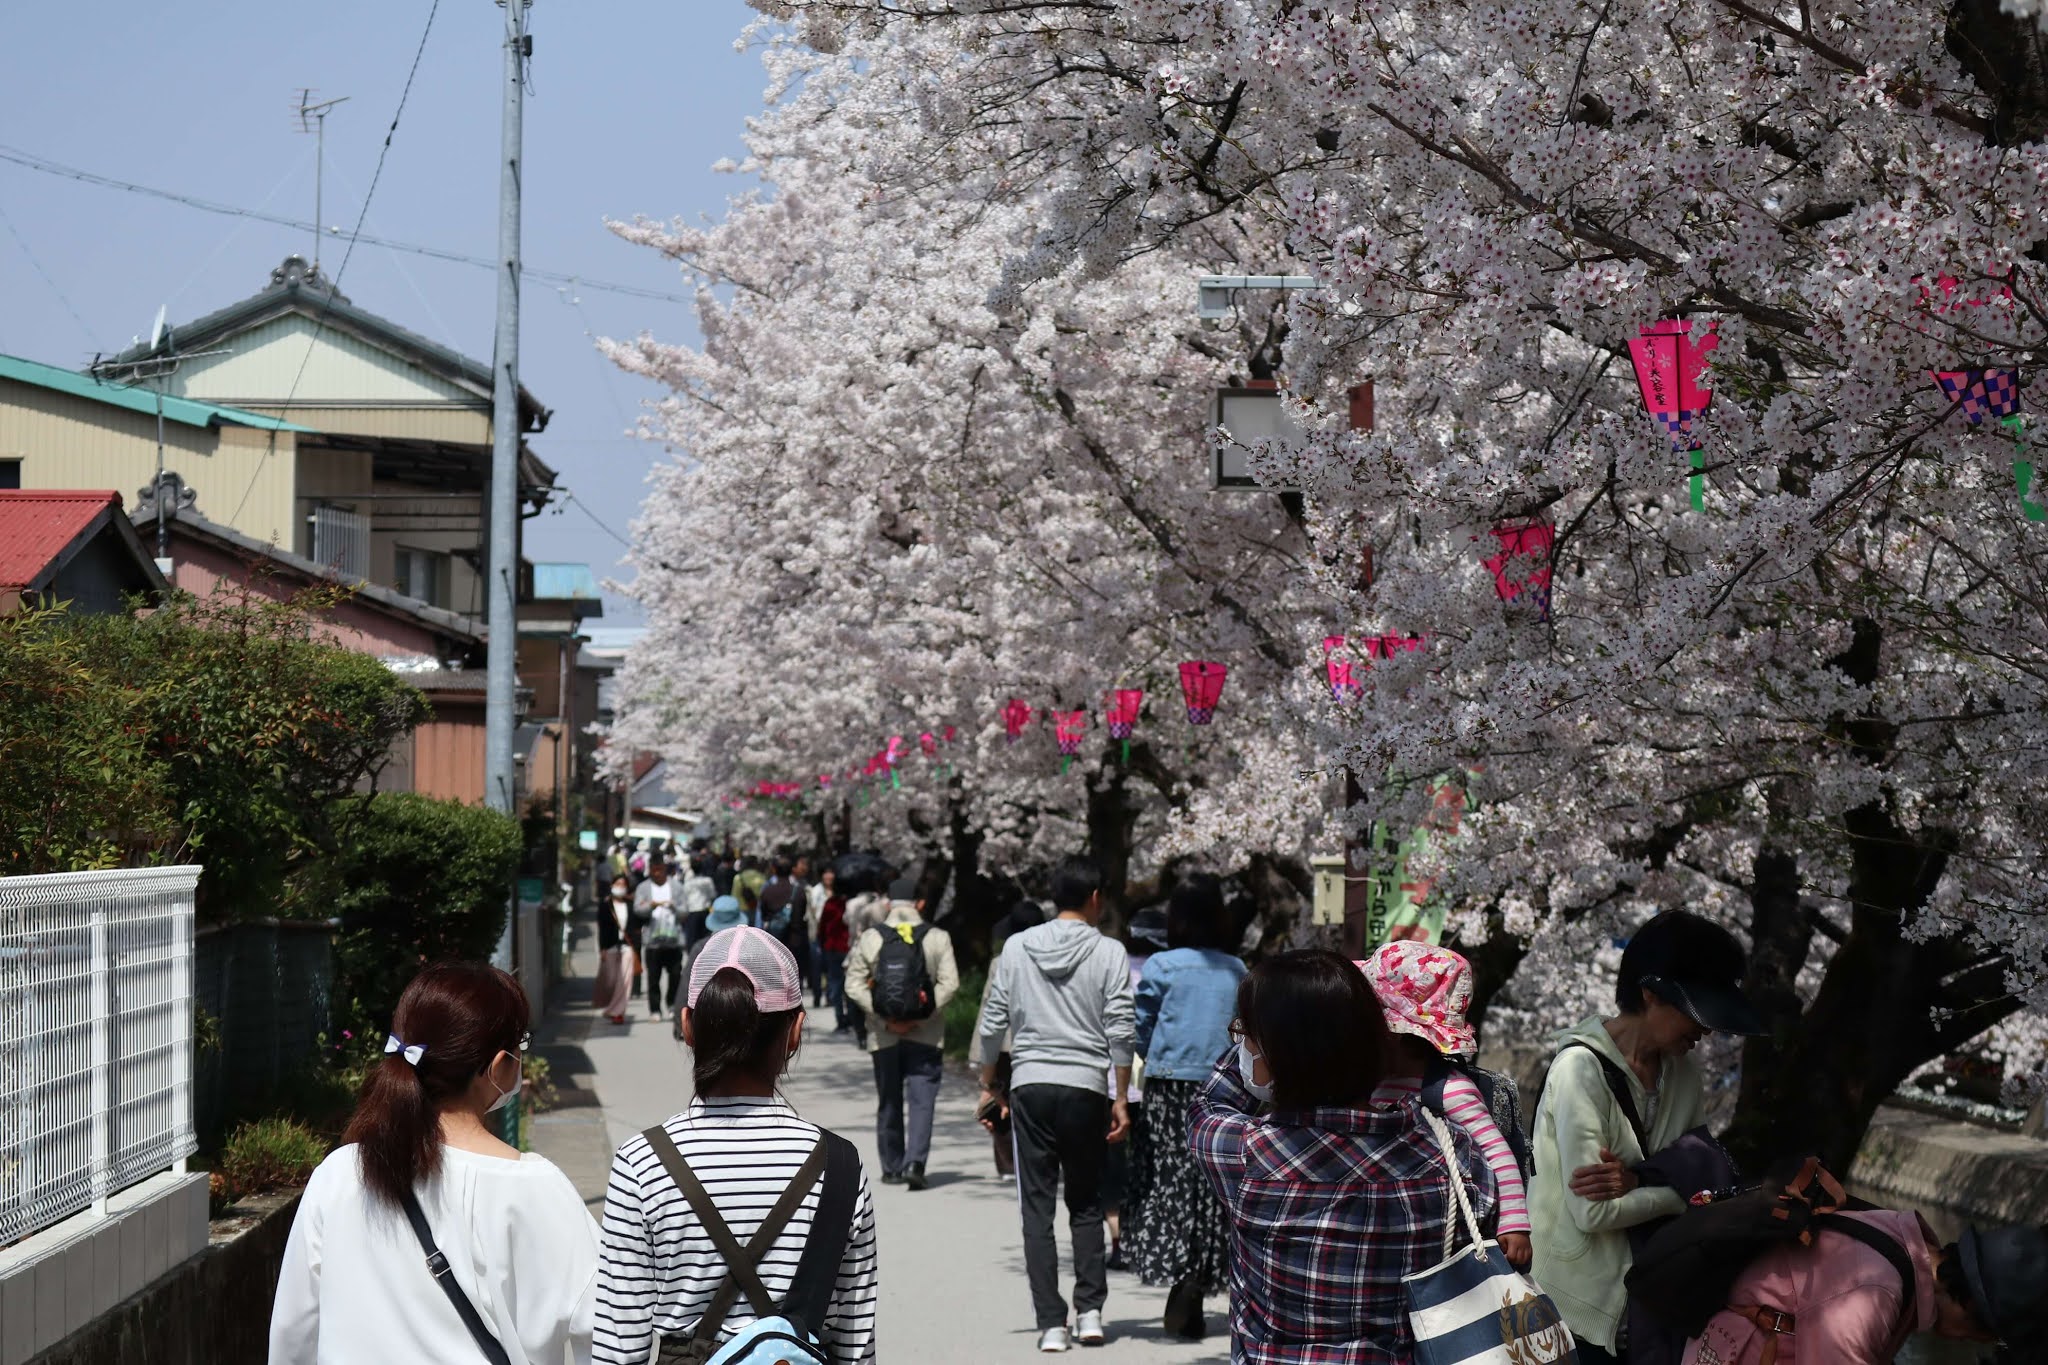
<point>1053,1339</point>
<point>1088,1328</point>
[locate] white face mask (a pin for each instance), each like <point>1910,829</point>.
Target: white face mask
<point>619,893</point>
<point>504,1096</point>
<point>1247,1060</point>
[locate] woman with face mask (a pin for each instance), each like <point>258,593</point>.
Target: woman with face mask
<point>618,933</point>
<point>424,1237</point>
<point>1332,1201</point>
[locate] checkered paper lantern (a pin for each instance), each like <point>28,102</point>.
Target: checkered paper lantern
<point>1995,393</point>
<point>1016,715</point>
<point>1981,393</point>
<point>1521,570</point>
<point>1201,686</point>
<point>1670,363</point>
<point>1387,646</point>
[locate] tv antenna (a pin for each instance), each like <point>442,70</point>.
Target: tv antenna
<point>155,366</point>
<point>312,118</point>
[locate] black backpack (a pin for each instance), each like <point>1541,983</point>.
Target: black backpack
<point>1502,1097</point>
<point>1686,1271</point>
<point>903,983</point>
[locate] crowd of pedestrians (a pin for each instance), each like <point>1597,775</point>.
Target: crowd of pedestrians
<point>1306,1136</point>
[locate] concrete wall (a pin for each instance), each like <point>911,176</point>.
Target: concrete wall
<point>61,1281</point>
<point>210,1309</point>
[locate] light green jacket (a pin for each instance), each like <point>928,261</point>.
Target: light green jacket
<point>938,961</point>
<point>1582,1251</point>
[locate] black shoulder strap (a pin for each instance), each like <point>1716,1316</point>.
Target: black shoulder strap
<point>1435,1076</point>
<point>809,1301</point>
<point>1624,1095</point>
<point>742,1270</point>
<point>1886,1246</point>
<point>437,1266</point>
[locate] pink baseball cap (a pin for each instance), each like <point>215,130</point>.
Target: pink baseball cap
<point>1426,992</point>
<point>757,955</point>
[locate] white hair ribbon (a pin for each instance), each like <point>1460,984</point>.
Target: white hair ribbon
<point>411,1054</point>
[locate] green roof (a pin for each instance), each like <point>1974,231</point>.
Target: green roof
<point>187,411</point>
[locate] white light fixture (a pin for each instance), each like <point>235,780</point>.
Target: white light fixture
<point>1329,898</point>
<point>1214,291</point>
<point>1248,416</point>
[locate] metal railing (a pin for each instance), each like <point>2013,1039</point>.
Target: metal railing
<point>95,1038</point>
<point>341,541</point>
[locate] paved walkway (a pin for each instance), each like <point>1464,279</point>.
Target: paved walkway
<point>953,1287</point>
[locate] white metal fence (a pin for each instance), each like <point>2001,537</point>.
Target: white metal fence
<point>341,541</point>
<point>95,1038</point>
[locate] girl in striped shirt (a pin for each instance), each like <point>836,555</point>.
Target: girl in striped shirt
<point>657,1267</point>
<point>1425,992</point>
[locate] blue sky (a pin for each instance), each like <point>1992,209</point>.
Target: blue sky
<point>632,103</point>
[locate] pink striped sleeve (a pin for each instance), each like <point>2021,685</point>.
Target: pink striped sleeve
<point>1464,1106</point>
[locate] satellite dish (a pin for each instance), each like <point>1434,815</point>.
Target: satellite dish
<point>156,333</point>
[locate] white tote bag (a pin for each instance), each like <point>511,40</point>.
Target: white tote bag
<point>1473,1308</point>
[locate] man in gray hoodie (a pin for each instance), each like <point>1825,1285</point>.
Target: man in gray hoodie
<point>1063,992</point>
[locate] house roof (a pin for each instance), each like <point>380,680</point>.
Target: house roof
<point>41,530</point>
<point>185,411</point>
<point>188,521</point>
<point>296,287</point>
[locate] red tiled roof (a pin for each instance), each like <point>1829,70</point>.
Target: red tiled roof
<point>38,526</point>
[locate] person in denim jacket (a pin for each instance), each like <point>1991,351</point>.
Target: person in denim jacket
<point>1184,1006</point>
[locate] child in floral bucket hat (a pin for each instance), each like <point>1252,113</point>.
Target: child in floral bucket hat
<point>1425,992</point>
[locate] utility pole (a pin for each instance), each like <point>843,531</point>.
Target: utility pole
<point>503,513</point>
<point>158,365</point>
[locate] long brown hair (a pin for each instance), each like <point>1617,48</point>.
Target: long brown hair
<point>463,1014</point>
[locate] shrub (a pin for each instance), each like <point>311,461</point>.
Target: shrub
<point>267,1154</point>
<point>414,881</point>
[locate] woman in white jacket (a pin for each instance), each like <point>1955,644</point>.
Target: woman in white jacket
<point>518,1248</point>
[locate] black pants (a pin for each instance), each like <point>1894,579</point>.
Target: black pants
<point>1062,1134</point>
<point>907,1080</point>
<point>663,958</point>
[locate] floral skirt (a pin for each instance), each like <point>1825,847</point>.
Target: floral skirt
<point>1181,1231</point>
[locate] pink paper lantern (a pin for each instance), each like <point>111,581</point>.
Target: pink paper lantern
<point>1669,362</point>
<point>1521,571</point>
<point>1121,714</point>
<point>1337,665</point>
<point>1016,715</point>
<point>1201,686</point>
<point>928,742</point>
<point>1387,646</point>
<point>1068,729</point>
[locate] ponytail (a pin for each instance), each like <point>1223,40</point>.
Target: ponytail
<point>460,1015</point>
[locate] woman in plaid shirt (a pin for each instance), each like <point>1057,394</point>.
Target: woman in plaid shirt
<point>1331,1200</point>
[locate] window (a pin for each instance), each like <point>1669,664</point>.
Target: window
<point>10,473</point>
<point>423,574</point>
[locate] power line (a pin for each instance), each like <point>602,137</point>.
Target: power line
<point>334,286</point>
<point>37,265</point>
<point>44,166</point>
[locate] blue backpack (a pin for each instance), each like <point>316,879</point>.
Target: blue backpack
<point>785,1333</point>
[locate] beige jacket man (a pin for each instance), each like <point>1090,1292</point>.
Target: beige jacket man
<point>938,960</point>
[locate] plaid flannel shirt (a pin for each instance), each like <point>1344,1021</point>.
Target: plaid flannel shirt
<point>1329,1209</point>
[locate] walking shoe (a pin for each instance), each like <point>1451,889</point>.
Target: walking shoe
<point>913,1176</point>
<point>1183,1317</point>
<point>1053,1339</point>
<point>892,1178</point>
<point>1117,1260</point>
<point>1088,1328</point>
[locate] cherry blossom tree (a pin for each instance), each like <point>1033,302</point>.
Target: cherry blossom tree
<point>950,382</point>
